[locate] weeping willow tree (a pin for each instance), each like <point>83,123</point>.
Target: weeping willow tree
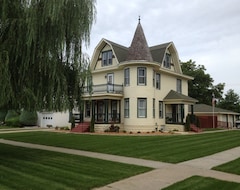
<point>41,61</point>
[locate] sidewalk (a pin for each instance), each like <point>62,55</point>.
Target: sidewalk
<point>163,175</point>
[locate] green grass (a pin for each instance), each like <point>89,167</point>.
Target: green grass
<point>202,183</point>
<point>166,148</point>
<point>230,167</point>
<point>22,168</point>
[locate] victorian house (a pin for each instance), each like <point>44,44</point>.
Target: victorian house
<point>139,88</point>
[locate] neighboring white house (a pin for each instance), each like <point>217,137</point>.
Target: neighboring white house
<point>140,88</point>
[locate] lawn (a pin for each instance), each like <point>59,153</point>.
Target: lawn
<point>230,167</point>
<point>200,183</point>
<point>166,148</point>
<point>22,168</point>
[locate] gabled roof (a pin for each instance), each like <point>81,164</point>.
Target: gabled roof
<point>175,97</point>
<point>120,51</point>
<point>139,49</point>
<point>158,51</point>
<point>203,108</point>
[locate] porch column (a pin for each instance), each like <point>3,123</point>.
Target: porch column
<point>93,110</point>
<point>106,111</point>
<point>182,112</point>
<point>119,110</point>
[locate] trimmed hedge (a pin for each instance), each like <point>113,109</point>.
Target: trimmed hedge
<point>28,118</point>
<point>12,118</point>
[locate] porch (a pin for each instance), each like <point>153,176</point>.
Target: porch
<point>106,111</point>
<point>175,104</point>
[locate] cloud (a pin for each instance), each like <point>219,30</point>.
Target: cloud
<point>204,31</point>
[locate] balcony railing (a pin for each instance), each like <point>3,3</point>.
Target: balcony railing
<point>105,88</point>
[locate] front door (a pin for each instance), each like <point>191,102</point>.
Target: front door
<point>110,82</point>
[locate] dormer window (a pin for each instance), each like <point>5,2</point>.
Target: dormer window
<point>167,61</point>
<point>106,58</point>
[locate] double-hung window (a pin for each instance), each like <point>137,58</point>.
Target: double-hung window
<point>127,77</point>
<point>167,61</point>
<point>153,108</point>
<point>142,76</point>
<point>179,85</point>
<point>158,86</point>
<point>142,108</point>
<point>106,58</point>
<point>126,107</point>
<point>160,109</point>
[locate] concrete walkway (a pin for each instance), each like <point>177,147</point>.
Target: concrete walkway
<point>163,175</point>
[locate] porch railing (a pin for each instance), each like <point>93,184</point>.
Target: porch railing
<point>174,118</point>
<point>105,88</point>
<point>107,118</point>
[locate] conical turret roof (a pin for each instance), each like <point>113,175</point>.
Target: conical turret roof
<point>139,49</point>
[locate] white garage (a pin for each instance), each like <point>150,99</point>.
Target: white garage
<point>53,119</point>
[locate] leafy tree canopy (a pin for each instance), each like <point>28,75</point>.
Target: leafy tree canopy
<point>41,62</point>
<point>201,87</point>
<point>230,102</point>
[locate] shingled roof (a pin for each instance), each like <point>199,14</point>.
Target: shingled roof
<point>158,51</point>
<point>120,51</point>
<point>203,108</point>
<point>139,49</point>
<point>174,96</point>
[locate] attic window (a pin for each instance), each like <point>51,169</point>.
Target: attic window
<point>106,58</point>
<point>167,61</point>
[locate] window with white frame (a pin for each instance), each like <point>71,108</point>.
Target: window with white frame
<point>127,77</point>
<point>158,80</point>
<point>142,107</point>
<point>126,107</point>
<point>160,109</point>
<point>167,61</point>
<point>154,76</point>
<point>153,108</point>
<point>107,58</point>
<point>142,76</point>
<point>179,85</point>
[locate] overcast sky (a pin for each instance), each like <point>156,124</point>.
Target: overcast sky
<point>206,31</point>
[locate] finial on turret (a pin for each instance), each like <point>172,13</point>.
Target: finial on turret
<point>139,19</point>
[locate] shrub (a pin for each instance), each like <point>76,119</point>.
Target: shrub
<point>28,118</point>
<point>191,119</point>
<point>3,114</point>
<point>12,118</point>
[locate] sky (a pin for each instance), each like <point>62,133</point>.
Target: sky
<point>205,31</point>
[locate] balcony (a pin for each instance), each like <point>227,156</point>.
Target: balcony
<point>105,88</point>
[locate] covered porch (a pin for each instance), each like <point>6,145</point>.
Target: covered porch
<point>106,111</point>
<point>176,107</point>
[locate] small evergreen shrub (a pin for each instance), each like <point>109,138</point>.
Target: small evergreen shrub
<point>191,119</point>
<point>28,118</point>
<point>12,118</point>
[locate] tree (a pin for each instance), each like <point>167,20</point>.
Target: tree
<point>201,87</point>
<point>230,102</point>
<point>41,60</point>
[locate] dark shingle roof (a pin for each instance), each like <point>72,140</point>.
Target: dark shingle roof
<point>203,108</point>
<point>120,51</point>
<point>158,52</point>
<point>139,49</point>
<point>174,96</point>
